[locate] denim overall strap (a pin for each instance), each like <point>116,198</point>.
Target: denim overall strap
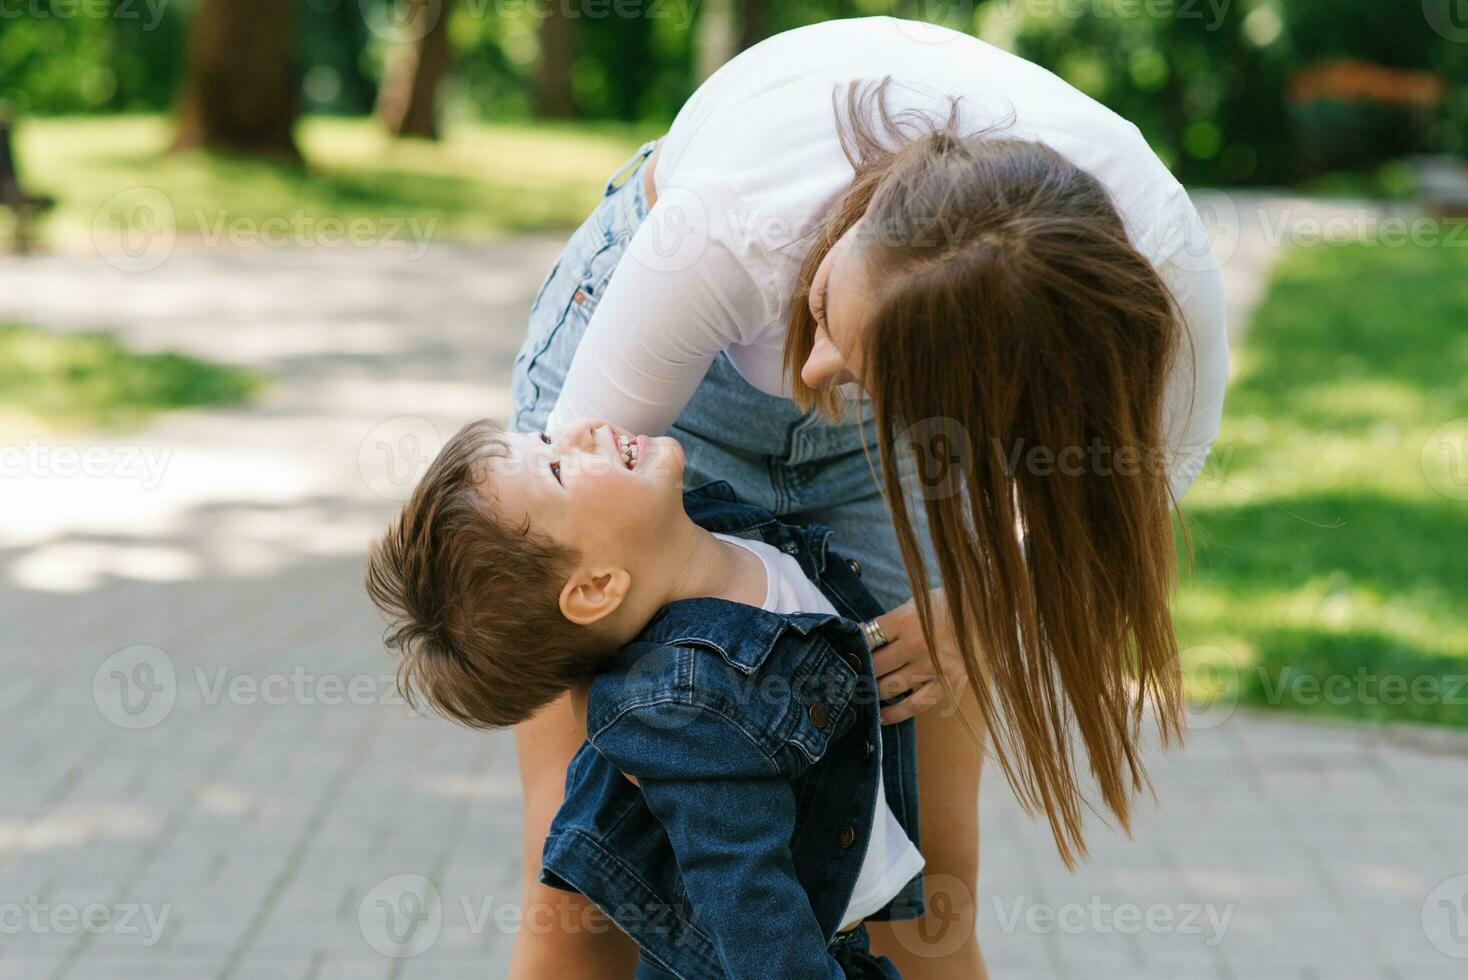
<point>620,175</point>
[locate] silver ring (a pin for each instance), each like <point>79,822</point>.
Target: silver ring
<point>872,630</point>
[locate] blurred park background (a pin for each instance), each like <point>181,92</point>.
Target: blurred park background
<point>326,121</point>
<point>262,255</point>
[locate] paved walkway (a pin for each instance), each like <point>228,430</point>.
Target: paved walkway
<point>205,774</point>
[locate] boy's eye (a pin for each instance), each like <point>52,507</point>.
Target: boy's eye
<point>545,438</point>
<point>555,469</point>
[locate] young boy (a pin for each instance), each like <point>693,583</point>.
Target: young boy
<point>738,808</point>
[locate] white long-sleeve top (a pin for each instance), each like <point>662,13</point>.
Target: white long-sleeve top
<point>752,164</point>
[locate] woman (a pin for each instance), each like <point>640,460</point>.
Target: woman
<point>1020,304</point>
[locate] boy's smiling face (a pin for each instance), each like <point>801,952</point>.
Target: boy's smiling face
<point>602,492</point>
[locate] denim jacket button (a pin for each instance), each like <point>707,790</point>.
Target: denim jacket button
<point>847,838</point>
<point>855,566</point>
<point>852,661</point>
<point>819,714</point>
<point>871,750</point>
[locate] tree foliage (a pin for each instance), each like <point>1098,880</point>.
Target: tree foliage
<point>1206,80</point>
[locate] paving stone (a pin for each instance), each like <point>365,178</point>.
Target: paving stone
<point>265,822</point>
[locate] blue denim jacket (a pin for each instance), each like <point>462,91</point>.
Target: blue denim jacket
<point>755,738</point>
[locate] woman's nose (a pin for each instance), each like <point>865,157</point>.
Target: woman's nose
<point>824,366</point>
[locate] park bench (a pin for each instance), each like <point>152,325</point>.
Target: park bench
<point>26,207</point>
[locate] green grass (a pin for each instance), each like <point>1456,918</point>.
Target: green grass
<point>1331,574</point>
<point>479,182</point>
<point>89,381</point>
<point>1393,181</point>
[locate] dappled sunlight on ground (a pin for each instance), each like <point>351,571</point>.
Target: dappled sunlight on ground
<point>200,719</point>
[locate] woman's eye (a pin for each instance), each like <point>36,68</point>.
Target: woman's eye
<point>555,469</point>
<point>545,438</point>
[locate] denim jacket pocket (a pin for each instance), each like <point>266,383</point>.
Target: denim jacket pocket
<point>819,696</point>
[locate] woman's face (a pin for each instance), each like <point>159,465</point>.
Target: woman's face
<point>840,301</point>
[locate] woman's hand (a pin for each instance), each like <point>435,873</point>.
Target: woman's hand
<point>903,663</point>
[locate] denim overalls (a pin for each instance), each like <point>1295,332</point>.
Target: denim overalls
<point>756,740</point>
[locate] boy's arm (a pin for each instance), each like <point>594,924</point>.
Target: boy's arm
<point>728,812</point>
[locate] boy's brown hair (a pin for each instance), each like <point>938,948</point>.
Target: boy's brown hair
<point>473,603</point>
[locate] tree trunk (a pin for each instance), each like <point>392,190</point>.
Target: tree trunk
<point>754,22</point>
<point>408,101</point>
<point>240,87</point>
<point>554,96</point>
<point>632,63</point>
<point>717,36</point>
<point>349,26</point>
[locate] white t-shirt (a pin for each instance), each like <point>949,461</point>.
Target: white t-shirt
<point>752,164</point>
<point>891,859</point>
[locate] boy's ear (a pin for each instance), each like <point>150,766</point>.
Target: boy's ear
<point>590,596</point>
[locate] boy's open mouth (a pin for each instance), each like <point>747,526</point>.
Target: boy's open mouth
<point>631,449</point>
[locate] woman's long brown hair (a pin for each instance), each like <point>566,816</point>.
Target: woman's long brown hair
<point>1011,309</point>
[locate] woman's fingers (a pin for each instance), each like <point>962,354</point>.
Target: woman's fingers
<point>900,622</point>
<point>905,680</point>
<point>896,655</point>
<point>925,697</point>
<point>895,623</point>
<point>904,664</point>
